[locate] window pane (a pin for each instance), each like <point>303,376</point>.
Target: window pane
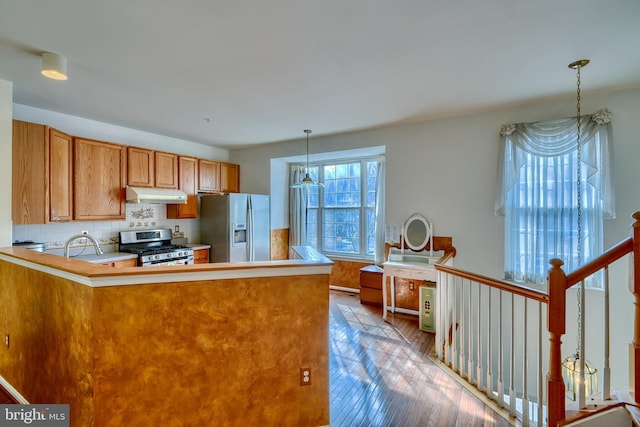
<point>371,231</point>
<point>312,192</point>
<point>312,227</point>
<point>342,185</point>
<point>340,230</point>
<point>372,174</point>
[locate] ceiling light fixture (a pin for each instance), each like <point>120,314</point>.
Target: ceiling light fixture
<point>54,66</point>
<point>307,181</point>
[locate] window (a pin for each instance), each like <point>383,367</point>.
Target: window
<point>341,215</point>
<point>542,218</point>
<point>538,194</point>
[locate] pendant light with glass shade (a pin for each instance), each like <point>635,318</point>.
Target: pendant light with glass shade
<point>580,376</point>
<point>307,181</point>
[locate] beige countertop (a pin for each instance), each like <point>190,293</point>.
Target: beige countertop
<point>106,257</point>
<point>197,246</point>
<point>94,274</point>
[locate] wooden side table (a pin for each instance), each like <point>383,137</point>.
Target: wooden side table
<point>371,285</point>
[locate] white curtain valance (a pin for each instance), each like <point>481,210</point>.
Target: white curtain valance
<point>555,138</point>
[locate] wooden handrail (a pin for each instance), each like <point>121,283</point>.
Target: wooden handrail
<point>557,285</point>
<point>609,257</point>
<point>524,291</point>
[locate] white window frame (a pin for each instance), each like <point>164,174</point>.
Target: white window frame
<point>363,208</point>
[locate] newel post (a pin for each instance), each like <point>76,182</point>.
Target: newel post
<point>556,324</point>
<point>636,293</point>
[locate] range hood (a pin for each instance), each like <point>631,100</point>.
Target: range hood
<point>155,195</point>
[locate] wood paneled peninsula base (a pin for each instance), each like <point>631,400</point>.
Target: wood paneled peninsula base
<point>207,344</point>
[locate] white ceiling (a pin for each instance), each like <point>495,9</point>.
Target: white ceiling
<point>262,71</point>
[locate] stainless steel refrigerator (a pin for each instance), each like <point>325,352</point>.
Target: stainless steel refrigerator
<point>237,227</point>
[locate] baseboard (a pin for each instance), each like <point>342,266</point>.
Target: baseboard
<point>345,289</point>
<point>12,391</point>
<point>404,311</point>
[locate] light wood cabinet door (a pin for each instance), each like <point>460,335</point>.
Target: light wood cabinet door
<point>140,167</point>
<point>208,176</point>
<point>60,176</point>
<point>41,174</point>
<point>99,180</point>
<point>229,178</point>
<point>166,170</point>
<point>201,256</point>
<point>30,170</point>
<point>188,174</point>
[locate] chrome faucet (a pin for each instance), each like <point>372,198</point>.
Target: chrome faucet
<point>92,239</point>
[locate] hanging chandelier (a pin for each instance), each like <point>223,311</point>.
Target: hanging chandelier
<point>579,375</point>
<point>307,181</point>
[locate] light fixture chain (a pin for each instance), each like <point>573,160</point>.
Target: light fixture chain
<point>579,213</point>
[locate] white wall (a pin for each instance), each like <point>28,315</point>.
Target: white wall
<point>6,100</point>
<point>446,169</point>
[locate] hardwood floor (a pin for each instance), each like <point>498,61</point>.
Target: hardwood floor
<point>381,373</point>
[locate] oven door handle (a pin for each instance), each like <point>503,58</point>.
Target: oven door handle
<point>166,261</point>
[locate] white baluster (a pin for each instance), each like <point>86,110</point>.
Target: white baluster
<point>525,363</point>
<point>583,356</point>
<point>470,334</point>
<point>512,365</point>
<point>489,367</point>
<point>500,395</point>
<point>479,341</point>
<point>454,321</point>
<point>606,371</point>
<point>540,381</point>
<point>463,328</point>
<point>445,313</point>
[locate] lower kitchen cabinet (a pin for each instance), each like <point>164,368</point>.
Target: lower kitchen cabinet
<point>131,262</point>
<point>201,256</point>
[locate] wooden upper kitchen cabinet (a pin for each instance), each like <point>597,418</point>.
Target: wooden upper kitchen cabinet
<point>99,179</point>
<point>218,177</point>
<point>140,167</point>
<point>42,174</point>
<point>188,175</point>
<point>229,178</point>
<point>166,165</point>
<point>208,176</point>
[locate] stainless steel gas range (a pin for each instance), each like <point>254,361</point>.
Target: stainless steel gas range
<point>154,247</point>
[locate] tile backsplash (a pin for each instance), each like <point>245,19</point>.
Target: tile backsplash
<point>138,216</point>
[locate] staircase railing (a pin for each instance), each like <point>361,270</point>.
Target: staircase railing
<point>490,333</point>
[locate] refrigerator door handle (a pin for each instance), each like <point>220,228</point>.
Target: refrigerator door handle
<point>250,246</point>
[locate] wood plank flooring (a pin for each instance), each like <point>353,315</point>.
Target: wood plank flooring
<point>381,374</point>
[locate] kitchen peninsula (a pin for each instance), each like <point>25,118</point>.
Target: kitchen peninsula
<point>202,344</point>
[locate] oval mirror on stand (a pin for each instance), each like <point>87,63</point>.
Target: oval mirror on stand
<point>417,232</point>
